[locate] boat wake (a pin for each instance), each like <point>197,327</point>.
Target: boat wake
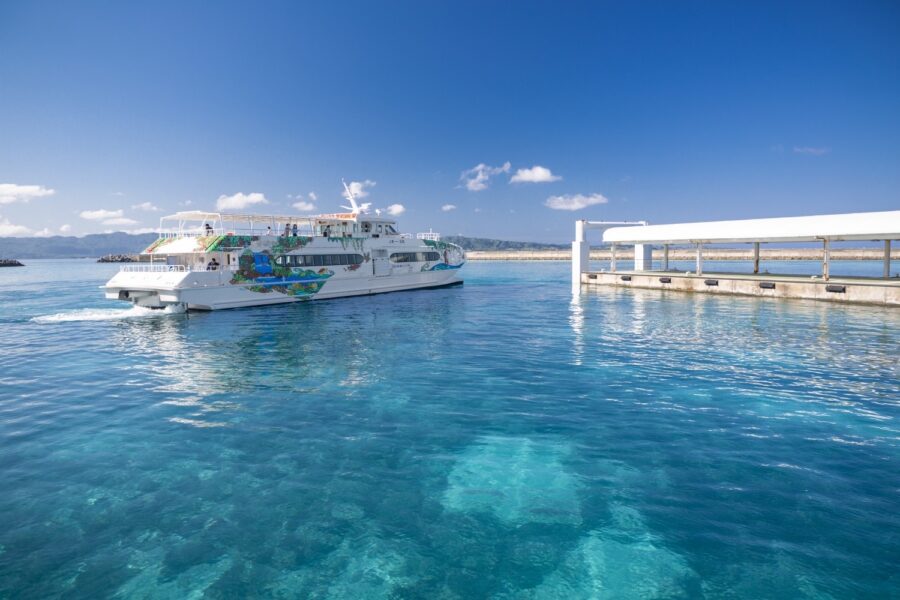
<point>107,314</point>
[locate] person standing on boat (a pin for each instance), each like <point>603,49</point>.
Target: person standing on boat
<point>269,230</point>
<point>294,230</point>
<point>213,265</point>
<point>287,229</point>
<point>209,229</point>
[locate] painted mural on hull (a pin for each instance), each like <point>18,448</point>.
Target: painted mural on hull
<point>258,272</point>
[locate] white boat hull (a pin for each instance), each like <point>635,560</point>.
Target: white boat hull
<point>245,276</point>
<point>196,294</point>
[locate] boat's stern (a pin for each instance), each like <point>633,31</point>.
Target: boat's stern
<point>149,286</point>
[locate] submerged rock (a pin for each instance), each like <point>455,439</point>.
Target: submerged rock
<point>366,567</point>
<point>515,479</point>
<point>624,560</point>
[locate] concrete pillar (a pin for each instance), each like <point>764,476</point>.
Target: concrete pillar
<point>826,258</point>
<point>887,258</point>
<point>580,255</point>
<point>612,258</point>
<point>643,257</point>
<point>665,263</point>
<point>699,259</point>
<point>755,258</point>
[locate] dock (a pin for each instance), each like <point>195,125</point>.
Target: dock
<point>843,289</point>
<point>881,227</point>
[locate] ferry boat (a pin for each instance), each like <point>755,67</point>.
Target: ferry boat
<point>211,261</point>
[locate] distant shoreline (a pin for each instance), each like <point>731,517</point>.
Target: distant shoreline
<point>711,254</point>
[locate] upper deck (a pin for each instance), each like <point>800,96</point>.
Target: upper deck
<point>198,231</point>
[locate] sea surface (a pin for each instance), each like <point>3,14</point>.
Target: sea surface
<point>499,440</point>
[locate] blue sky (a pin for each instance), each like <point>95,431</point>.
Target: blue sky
<point>665,111</point>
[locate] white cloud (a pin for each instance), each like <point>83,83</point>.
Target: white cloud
<point>100,214</point>
<point>478,210</point>
<point>147,206</point>
<point>536,174</point>
<point>448,207</point>
<point>396,209</point>
<point>312,196</point>
<point>11,192</point>
<point>120,221</point>
<point>812,151</point>
<point>65,228</point>
<point>574,201</point>
<point>359,188</point>
<point>477,178</point>
<point>304,206</point>
<point>120,194</point>
<point>7,229</point>
<point>240,201</point>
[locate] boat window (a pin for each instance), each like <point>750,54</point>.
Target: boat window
<point>326,260</point>
<point>402,257</point>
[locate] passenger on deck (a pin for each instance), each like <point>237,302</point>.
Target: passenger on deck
<point>209,229</point>
<point>327,231</point>
<point>269,230</point>
<point>287,229</point>
<point>294,230</point>
<point>213,265</point>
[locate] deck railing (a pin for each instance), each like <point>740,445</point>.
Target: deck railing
<point>161,268</point>
<point>153,268</point>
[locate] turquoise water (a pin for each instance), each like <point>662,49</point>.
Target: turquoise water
<point>495,440</point>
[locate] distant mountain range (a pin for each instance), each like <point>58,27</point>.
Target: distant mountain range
<point>101,244</point>
<point>93,246</point>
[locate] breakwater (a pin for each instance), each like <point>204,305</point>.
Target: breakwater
<point>123,258</point>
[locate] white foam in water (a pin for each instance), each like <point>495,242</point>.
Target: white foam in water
<point>107,314</point>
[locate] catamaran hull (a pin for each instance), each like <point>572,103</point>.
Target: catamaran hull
<point>212,291</point>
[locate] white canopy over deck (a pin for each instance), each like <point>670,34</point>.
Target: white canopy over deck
<point>195,222</point>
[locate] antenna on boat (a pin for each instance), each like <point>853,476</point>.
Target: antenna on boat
<point>354,207</point>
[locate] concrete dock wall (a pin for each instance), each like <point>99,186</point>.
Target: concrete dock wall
<point>843,290</point>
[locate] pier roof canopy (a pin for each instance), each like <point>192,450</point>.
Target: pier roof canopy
<point>844,227</point>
